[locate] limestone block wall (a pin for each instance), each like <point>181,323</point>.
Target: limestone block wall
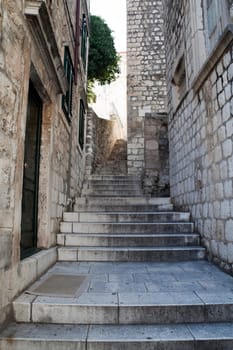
<point>61,168</point>
<point>102,135</point>
<point>145,73</point>
<point>201,131</point>
<point>156,174</point>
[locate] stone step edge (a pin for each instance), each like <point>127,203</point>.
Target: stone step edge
<point>170,227</point>
<point>136,249</point>
<point>113,311</point>
<point>127,223</point>
<point>111,240</point>
<point>100,194</point>
<point>130,254</point>
<point>111,184</point>
<point>201,333</point>
<point>131,212</point>
<point>132,235</point>
<point>157,207</point>
<point>67,216</point>
<point>132,240</point>
<point>147,200</point>
<point>95,208</point>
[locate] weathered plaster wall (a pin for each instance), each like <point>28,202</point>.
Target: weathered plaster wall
<point>201,137</point>
<point>62,161</point>
<point>146,73</point>
<point>156,174</point>
<point>14,68</point>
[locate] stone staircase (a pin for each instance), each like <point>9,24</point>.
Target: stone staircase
<point>147,285</point>
<point>123,234</point>
<point>117,162</point>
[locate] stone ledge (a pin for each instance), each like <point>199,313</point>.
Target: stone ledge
<point>40,25</point>
<point>224,41</point>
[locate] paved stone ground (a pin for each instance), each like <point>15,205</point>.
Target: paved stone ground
<point>198,278</point>
<point>129,306</point>
<point>134,293</point>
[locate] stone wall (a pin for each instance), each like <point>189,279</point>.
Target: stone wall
<point>201,127</point>
<point>102,135</point>
<point>25,56</point>
<point>156,148</point>
<point>146,73</point>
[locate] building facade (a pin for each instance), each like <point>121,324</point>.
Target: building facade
<point>43,63</point>
<point>199,52</point>
<point>147,95</point>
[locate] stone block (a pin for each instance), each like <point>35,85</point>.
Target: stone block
<point>5,247</point>
<point>223,251</point>
<point>227,60</point>
<point>45,259</point>
<point>67,254</point>
<point>22,308</point>
<point>227,148</point>
<point>229,230</point>
<point>226,112</point>
<point>66,227</point>
<point>230,253</point>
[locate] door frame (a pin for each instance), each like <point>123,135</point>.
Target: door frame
<point>33,94</point>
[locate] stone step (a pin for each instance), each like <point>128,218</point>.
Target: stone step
<point>114,162</point>
<point>131,254</point>
<point>126,227</point>
<point>200,336</point>
<point>119,171</point>
<point>111,240</point>
<point>102,183</point>
<point>123,201</point>
<point>109,188</point>
<point>114,177</point>
<point>127,209</point>
<point>127,308</point>
<point>126,217</point>
<point>113,182</point>
<point>112,193</point>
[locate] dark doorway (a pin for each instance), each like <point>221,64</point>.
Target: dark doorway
<point>31,174</point>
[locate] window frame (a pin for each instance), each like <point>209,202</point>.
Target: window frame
<point>84,36</point>
<point>213,31</point>
<point>201,48</point>
<point>69,73</point>
<point>179,79</point>
<point>81,124</point>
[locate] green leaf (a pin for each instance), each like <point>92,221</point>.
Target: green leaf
<point>103,59</point>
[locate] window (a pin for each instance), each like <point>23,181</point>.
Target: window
<point>81,124</point>
<point>209,19</point>
<point>69,72</point>
<point>216,15</point>
<point>84,35</point>
<point>179,84</point>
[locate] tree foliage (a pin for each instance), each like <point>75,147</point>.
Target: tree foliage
<point>103,59</point>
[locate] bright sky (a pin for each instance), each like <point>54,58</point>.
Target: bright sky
<point>114,14</point>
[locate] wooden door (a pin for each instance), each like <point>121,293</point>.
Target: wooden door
<point>31,174</point>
